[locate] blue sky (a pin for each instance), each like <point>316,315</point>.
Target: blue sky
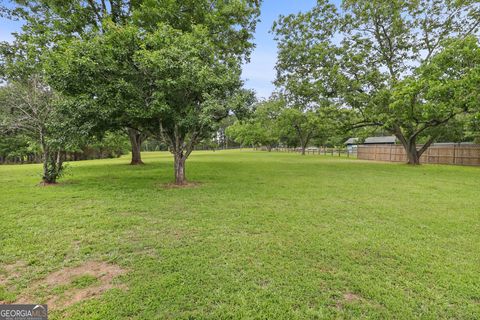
<point>260,72</point>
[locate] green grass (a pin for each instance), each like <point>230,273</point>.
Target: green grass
<point>264,236</point>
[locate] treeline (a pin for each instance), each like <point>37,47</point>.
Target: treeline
<point>20,149</point>
<point>273,123</point>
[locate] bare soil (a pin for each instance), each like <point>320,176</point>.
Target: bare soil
<point>105,274</point>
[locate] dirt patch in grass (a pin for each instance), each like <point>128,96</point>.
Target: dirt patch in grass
<point>68,286</point>
<point>11,271</point>
<point>47,184</point>
<point>347,298</point>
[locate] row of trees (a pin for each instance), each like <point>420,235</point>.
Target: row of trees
<point>165,69</point>
<point>274,123</point>
<point>19,148</point>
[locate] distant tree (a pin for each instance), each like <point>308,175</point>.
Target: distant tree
<point>261,128</point>
<point>221,137</point>
<point>18,147</point>
<point>367,57</point>
<point>308,125</point>
<point>305,124</point>
<point>251,134</point>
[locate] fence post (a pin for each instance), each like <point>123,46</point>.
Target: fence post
<point>454,154</point>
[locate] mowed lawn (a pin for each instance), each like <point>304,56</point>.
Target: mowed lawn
<point>263,236</point>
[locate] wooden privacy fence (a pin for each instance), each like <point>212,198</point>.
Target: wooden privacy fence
<point>439,154</point>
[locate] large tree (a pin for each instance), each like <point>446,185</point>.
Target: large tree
<point>370,57</point>
<point>195,86</point>
<point>102,78</point>
<point>47,22</point>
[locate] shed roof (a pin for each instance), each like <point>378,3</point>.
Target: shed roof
<point>374,140</point>
<point>351,141</point>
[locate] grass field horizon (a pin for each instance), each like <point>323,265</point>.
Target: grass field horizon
<point>261,236</point>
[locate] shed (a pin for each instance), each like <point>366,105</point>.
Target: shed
<point>351,144</point>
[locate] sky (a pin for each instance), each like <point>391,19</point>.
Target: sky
<point>260,72</point>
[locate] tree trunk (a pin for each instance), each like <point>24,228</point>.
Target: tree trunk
<point>59,161</point>
<point>179,162</point>
<point>269,148</point>
<point>136,140</point>
<point>46,177</point>
<point>413,153</point>
<point>413,156</point>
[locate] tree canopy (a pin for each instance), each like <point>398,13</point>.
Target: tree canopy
<point>172,80</point>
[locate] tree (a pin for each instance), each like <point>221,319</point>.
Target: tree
<point>307,125</point>
<point>194,88</point>
<point>437,94</point>
<point>30,108</point>
<point>102,78</point>
<point>367,56</point>
<point>176,84</point>
<point>304,124</point>
<point>48,21</point>
<point>261,129</point>
<point>251,133</point>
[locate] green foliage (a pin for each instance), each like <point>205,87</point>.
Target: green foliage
<point>274,123</point>
<point>172,70</point>
<point>112,144</point>
<point>29,107</point>
<point>102,79</point>
<point>192,89</point>
<point>261,129</point>
<point>18,147</point>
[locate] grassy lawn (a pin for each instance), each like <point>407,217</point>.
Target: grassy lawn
<point>263,236</point>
